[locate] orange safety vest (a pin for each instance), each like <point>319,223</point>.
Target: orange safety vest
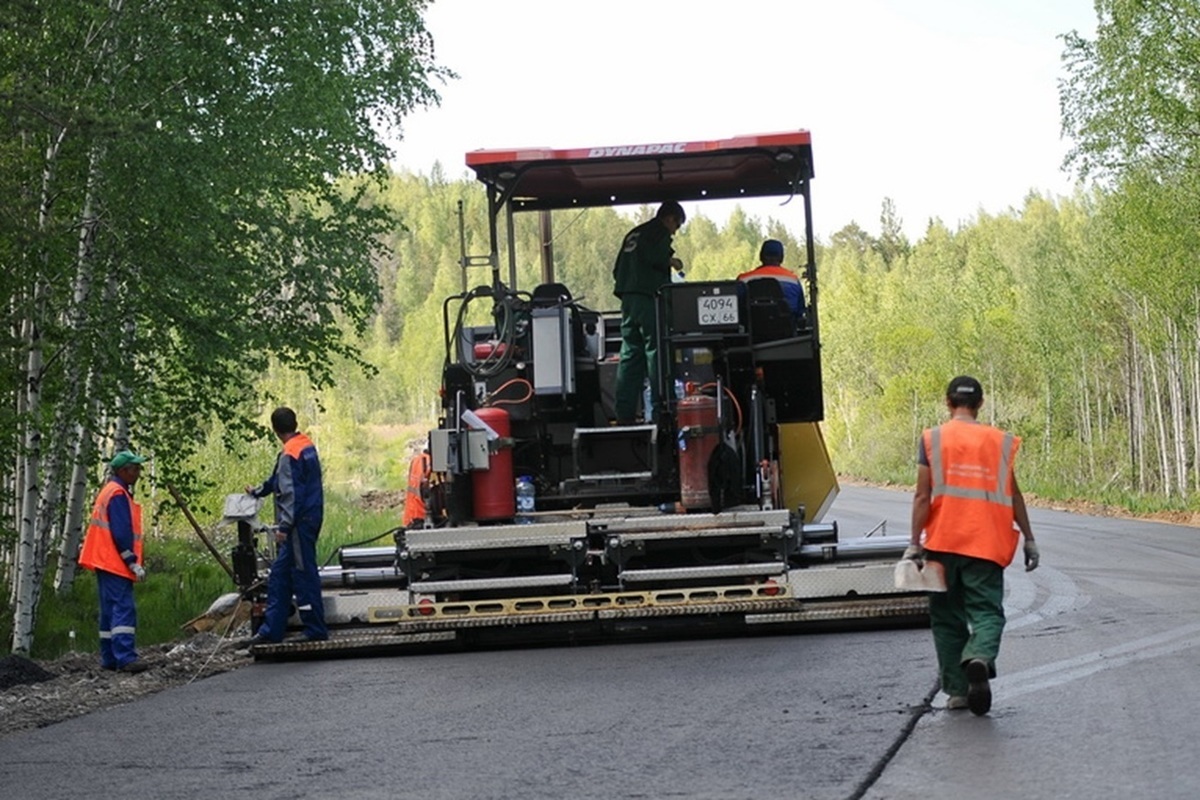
<point>99,550</point>
<point>971,512</point>
<point>414,500</point>
<point>773,271</point>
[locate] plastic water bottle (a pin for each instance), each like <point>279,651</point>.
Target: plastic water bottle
<point>526,499</point>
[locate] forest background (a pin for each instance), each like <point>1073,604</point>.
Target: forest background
<point>199,223</point>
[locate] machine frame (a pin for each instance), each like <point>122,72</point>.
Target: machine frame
<point>685,524</point>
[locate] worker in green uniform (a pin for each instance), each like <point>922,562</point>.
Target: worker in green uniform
<point>646,262</point>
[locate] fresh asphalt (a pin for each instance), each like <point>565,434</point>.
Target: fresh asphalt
<point>1095,699</point>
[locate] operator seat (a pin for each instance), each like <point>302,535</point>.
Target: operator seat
<point>549,295</point>
<point>771,317</point>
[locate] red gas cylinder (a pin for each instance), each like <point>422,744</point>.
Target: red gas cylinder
<point>488,349</point>
<point>696,418</point>
<point>493,489</point>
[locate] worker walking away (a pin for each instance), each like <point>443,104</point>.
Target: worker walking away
<point>112,548</point>
<point>771,268</point>
<point>966,504</point>
<point>299,512</point>
<point>417,494</point>
<point>646,262</point>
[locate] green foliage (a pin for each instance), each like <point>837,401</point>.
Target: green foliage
<point>191,194</point>
<point>199,147</point>
<point>1129,97</point>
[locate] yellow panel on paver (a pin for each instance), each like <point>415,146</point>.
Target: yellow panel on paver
<point>807,473</point>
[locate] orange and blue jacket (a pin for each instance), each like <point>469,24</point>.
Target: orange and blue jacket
<point>296,484</point>
<point>789,282</point>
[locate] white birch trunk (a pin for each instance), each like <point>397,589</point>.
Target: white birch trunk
<point>1085,416</point>
<point>1194,357</point>
<point>1175,389</point>
<point>1156,403</point>
<point>31,552</point>
<point>72,530</point>
<point>1047,439</point>
<point>29,571</point>
<point>17,511</point>
<point>1137,413</point>
<point>72,446</point>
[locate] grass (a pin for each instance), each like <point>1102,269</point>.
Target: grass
<point>182,580</point>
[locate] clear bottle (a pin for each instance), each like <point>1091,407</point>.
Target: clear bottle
<point>526,499</point>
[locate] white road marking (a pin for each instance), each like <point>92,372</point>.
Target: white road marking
<point>1059,672</point>
<point>1021,594</point>
<point>1064,596</point>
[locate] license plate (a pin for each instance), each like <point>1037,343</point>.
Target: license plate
<point>717,309</point>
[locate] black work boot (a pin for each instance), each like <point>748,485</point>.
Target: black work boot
<point>979,692</point>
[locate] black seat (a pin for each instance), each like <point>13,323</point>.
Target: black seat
<point>551,294</point>
<point>771,317</point>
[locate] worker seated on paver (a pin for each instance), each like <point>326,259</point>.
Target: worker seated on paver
<point>771,256</point>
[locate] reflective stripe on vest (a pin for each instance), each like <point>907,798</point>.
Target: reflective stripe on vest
<point>995,493</point>
<point>971,508</point>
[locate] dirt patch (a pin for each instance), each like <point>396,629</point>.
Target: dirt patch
<point>37,694</point>
<point>18,671</point>
<point>380,500</point>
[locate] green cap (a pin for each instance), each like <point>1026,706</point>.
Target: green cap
<point>125,458</point>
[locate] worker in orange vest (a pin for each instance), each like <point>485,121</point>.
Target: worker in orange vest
<point>112,548</point>
<point>416,494</point>
<point>966,505</point>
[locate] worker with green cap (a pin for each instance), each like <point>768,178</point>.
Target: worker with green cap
<point>112,548</point>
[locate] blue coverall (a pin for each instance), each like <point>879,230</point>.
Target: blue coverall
<point>299,512</point>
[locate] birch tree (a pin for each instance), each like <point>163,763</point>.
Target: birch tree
<point>205,163</point>
<point>1131,100</point>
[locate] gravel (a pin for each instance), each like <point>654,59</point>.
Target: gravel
<point>37,694</point>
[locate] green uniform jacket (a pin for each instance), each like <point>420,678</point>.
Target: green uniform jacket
<point>644,262</point>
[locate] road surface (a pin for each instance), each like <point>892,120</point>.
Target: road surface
<point>1096,699</point>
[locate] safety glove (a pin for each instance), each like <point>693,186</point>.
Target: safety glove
<point>1031,556</point>
<point>914,552</point>
<point>139,572</point>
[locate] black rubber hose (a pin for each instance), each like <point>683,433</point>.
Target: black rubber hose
<point>334,554</point>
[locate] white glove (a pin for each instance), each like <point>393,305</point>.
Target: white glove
<point>1031,556</point>
<point>914,552</point>
<point>139,572</point>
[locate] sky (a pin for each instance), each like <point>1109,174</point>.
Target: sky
<point>947,107</point>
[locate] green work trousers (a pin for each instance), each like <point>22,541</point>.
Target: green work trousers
<point>967,619</point>
<point>639,356</point>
